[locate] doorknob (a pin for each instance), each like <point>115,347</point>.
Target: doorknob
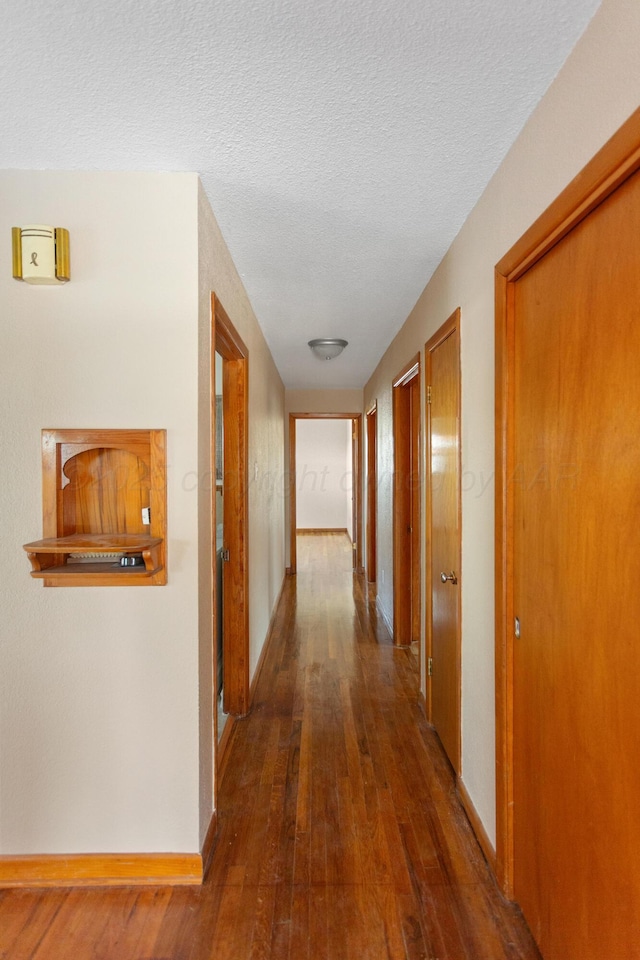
<point>452,577</point>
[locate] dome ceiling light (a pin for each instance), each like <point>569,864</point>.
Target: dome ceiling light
<point>327,349</point>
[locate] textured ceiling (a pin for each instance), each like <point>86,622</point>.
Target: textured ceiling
<point>341,143</point>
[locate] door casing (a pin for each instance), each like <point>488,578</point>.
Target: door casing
<point>406,504</point>
<point>226,341</point>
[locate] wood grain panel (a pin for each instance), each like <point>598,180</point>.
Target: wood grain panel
<point>587,333</point>
<point>444,535</point>
<point>618,159</point>
<point>576,570</point>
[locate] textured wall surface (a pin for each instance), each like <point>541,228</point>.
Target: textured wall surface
<point>341,145</point>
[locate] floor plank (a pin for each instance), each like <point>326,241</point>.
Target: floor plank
<point>340,833</point>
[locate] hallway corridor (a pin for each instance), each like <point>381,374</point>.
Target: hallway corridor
<point>340,833</point>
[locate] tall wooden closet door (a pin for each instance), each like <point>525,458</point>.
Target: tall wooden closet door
<point>444,535</point>
<point>577,588</point>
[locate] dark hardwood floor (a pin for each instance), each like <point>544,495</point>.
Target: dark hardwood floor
<point>340,833</point>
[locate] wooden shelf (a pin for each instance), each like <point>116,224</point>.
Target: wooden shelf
<point>98,486</point>
<point>51,556</point>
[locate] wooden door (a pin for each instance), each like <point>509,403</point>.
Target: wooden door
<point>356,500</point>
<point>372,493</point>
<point>576,596</point>
<point>415,474</point>
<point>443,534</point>
<point>406,505</point>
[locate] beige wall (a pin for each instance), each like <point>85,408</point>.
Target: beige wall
<point>598,88</point>
<point>323,401</point>
<point>98,686</point>
<point>324,475</point>
<point>266,458</point>
<point>105,693</point>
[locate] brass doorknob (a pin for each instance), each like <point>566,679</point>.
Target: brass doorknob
<point>451,577</point>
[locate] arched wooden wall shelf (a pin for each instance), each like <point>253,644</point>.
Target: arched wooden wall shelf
<point>104,509</point>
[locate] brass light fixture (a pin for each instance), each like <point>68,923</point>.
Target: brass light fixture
<point>327,348</point>
<point>40,254</point>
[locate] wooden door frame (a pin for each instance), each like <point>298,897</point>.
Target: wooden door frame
<point>404,498</point>
<point>356,419</point>
<point>371,417</point>
<point>448,328</point>
<point>226,341</point>
<point>618,159</point>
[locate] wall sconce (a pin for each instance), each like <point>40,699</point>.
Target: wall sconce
<point>327,349</point>
<point>40,254</point>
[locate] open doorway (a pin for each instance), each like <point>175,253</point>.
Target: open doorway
<point>229,507</point>
<point>406,505</point>
<point>329,487</point>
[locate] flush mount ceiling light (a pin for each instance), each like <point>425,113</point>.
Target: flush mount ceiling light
<point>327,349</point>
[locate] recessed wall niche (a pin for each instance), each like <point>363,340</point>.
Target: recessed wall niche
<point>104,497</point>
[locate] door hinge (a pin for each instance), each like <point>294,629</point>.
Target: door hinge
<point>224,554</point>
<point>429,394</point>
<point>430,667</point>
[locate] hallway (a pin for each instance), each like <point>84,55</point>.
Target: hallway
<point>340,834</point>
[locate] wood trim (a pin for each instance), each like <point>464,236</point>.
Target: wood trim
<point>320,531</point>
<point>476,824</point>
<point>223,747</point>
<point>325,416</point>
<point>408,372</point>
<point>226,341</point>
<point>229,343</point>
<point>101,869</point>
<point>209,844</point>
<point>267,642</point>
<point>356,418</point>
<point>385,618</point>
<point>618,159</point>
<point>422,702</point>
<point>402,496</point>
<point>503,587</point>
